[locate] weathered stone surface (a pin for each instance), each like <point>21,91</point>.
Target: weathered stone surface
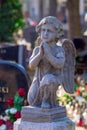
<point>36,114</point>
<point>62,124</point>
<point>54,65</point>
<point>53,62</point>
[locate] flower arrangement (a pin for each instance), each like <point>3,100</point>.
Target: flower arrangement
<point>76,104</point>
<point>14,105</point>
<point>2,124</point>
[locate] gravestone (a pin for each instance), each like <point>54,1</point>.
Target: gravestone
<point>12,77</point>
<point>15,53</point>
<point>81,56</point>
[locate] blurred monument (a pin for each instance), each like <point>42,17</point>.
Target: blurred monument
<point>81,55</point>
<point>12,77</point>
<point>15,53</point>
<point>13,74</point>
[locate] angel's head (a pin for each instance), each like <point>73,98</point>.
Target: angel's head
<point>53,24</point>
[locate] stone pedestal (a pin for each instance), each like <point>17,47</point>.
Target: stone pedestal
<point>36,114</point>
<point>62,124</point>
<point>34,118</point>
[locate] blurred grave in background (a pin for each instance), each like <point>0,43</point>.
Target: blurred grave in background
<point>81,55</point>
<point>15,53</point>
<point>13,72</point>
<point>12,77</point>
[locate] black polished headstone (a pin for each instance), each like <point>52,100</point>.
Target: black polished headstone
<point>12,77</point>
<point>16,53</point>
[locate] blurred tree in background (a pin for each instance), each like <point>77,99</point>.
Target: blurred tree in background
<point>11,19</point>
<point>53,7</point>
<point>74,19</point>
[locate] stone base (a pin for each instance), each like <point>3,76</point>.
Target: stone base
<point>36,114</point>
<point>62,124</point>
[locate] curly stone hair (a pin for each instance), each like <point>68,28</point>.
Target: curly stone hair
<point>57,25</point>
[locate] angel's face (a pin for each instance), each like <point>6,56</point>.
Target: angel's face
<point>48,33</point>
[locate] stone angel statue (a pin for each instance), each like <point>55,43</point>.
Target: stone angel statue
<point>53,61</point>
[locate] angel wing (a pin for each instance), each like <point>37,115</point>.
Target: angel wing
<point>69,66</point>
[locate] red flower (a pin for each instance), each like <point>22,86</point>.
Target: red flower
<point>21,92</point>
<point>10,102</point>
<point>9,125</point>
<point>17,115</point>
<point>2,122</point>
<point>80,123</point>
<point>86,86</point>
<point>78,92</point>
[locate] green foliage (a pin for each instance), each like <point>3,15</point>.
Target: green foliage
<point>18,102</point>
<point>11,19</point>
<point>11,116</point>
<point>15,105</point>
<point>65,99</point>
